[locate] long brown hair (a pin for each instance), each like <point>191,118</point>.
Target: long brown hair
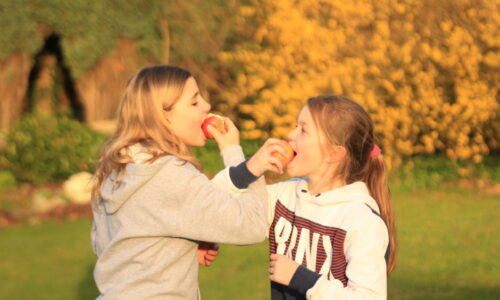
<point>345,123</point>
<point>148,93</point>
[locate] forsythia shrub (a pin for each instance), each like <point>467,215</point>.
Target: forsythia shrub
<point>427,71</point>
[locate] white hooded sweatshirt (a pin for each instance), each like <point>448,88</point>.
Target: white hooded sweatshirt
<point>337,234</point>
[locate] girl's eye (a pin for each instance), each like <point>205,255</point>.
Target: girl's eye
<point>301,128</point>
<point>195,103</point>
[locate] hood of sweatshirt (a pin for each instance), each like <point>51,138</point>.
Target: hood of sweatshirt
<point>356,191</point>
<point>117,190</point>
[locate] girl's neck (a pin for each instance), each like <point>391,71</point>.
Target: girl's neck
<point>317,185</point>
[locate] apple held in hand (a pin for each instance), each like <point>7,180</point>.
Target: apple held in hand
<point>215,121</point>
<point>290,154</point>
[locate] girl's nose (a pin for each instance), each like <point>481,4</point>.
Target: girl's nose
<point>208,107</point>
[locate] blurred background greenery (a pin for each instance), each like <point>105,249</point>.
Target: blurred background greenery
<point>427,71</point>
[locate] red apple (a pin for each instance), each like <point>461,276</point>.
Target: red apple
<point>215,121</point>
<point>290,154</point>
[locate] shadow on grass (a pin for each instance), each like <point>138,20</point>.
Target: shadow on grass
<point>87,288</point>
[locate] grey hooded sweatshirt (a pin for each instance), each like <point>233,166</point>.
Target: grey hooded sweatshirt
<point>146,229</point>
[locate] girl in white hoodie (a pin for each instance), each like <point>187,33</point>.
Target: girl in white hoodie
<point>331,229</point>
<point>332,232</point>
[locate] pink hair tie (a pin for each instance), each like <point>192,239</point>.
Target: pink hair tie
<point>375,151</point>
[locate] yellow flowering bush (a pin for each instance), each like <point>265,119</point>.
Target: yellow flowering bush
<point>427,71</point>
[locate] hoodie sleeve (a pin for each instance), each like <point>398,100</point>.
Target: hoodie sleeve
<point>365,248</point>
<point>200,210</point>
<point>273,192</point>
<point>232,156</point>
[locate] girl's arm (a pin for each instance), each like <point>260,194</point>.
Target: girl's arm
<point>234,159</point>
<point>212,213</point>
<point>198,209</point>
<point>231,152</point>
<point>243,173</point>
<point>195,208</point>
<point>365,249</point>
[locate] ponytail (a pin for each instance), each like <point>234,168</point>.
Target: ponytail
<point>376,180</point>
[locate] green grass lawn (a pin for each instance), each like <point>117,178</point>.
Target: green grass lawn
<point>448,248</point>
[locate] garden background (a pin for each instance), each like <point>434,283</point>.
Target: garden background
<point>427,72</point>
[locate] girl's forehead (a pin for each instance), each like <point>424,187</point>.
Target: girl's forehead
<point>189,90</point>
<point>190,85</point>
<point>305,115</point>
<point>306,120</point>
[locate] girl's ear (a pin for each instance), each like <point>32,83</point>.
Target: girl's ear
<point>336,154</point>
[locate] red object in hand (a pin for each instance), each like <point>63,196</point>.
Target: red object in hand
<point>290,154</point>
<point>215,121</point>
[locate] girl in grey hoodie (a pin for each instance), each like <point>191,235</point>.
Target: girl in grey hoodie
<point>151,204</point>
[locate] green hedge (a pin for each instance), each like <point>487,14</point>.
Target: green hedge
<point>43,149</point>
<point>438,172</point>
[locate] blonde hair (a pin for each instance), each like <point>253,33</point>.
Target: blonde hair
<point>148,93</point>
<point>344,122</point>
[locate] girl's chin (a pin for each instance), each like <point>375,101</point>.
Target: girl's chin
<point>201,140</point>
<point>198,143</point>
<point>294,170</point>
<point>201,143</point>
<point>291,171</point>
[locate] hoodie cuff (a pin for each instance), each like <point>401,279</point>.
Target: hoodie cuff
<point>303,279</point>
<point>241,176</point>
<point>232,155</point>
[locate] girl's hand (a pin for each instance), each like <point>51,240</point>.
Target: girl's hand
<point>263,160</point>
<point>207,253</point>
<point>282,269</point>
<point>230,137</point>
